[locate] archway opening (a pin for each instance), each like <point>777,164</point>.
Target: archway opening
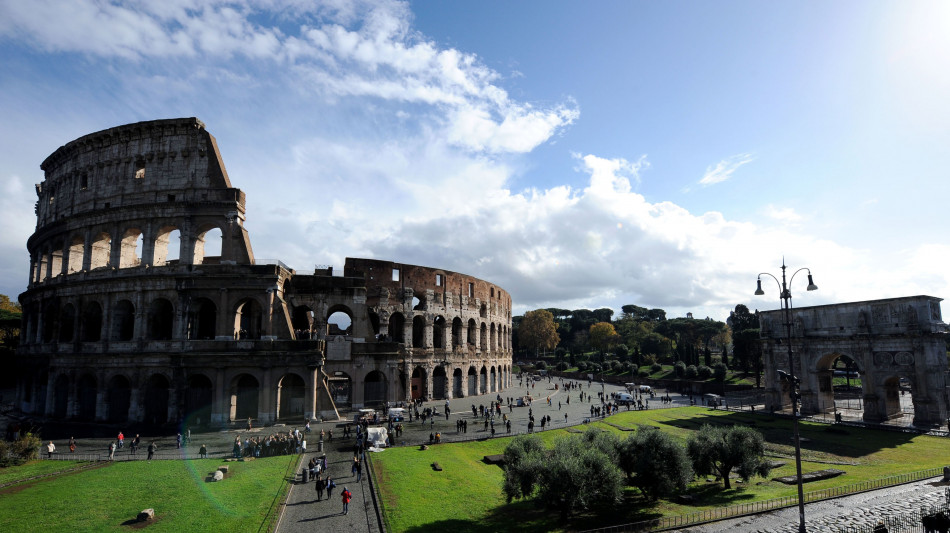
<point>208,246</point>
<point>86,398</point>
<point>302,322</point>
<point>397,326</point>
<point>418,332</point>
<point>123,321</point>
<point>439,383</point>
<point>91,322</point>
<point>156,400</point>
<point>198,400</point>
<point>119,397</point>
<point>130,248</point>
<point>438,333</point>
<point>202,320</point>
<point>291,393</point>
<point>67,324</point>
<point>839,386</point>
<point>457,381</point>
<point>418,384</point>
<point>248,321</point>
<point>161,319</point>
<point>340,322</point>
<point>483,381</point>
<point>244,398</point>
<point>374,389</point>
<point>472,382</point>
<point>167,246</point>
<point>61,396</point>
<point>341,389</point>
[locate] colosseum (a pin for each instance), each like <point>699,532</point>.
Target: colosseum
<point>145,302</point>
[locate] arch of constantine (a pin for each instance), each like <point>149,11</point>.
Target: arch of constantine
<point>892,341</point>
<point>132,314</point>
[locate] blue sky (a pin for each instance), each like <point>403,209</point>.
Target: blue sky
<point>579,154</point>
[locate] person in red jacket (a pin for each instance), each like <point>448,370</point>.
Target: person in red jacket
<point>347,496</point>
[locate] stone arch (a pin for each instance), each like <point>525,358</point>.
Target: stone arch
<point>161,320</point>
<point>118,398</point>
<point>492,380</point>
<point>248,320</point>
<point>77,250</point>
<point>202,320</point>
<point>418,331</point>
<point>198,399</point>
<point>472,332</point>
<point>457,380</point>
<point>890,402</point>
<point>439,389</point>
<point>483,337</point>
<point>67,324</point>
<point>438,333</point>
<point>61,396</point>
<point>419,384</point>
<point>457,339</point>
<point>472,381</point>
<point>341,388</point>
<point>123,321</point>
<point>167,246</point>
<point>91,326</point>
<point>483,310</point>
<point>302,321</point>
<point>418,303</point>
<point>208,245</point>
<point>397,327</point>
<point>245,397</point>
<point>86,392</point>
<point>339,320</point>
<point>156,400</point>
<point>50,321</point>
<point>100,251</point>
<point>291,394</point>
<point>483,380</point>
<point>374,388</point>
<point>130,248</point>
<point>492,345</point>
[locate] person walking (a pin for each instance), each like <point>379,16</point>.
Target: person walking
<point>50,448</point>
<point>151,450</point>
<point>112,451</point>
<point>330,486</point>
<point>346,496</point>
<point>359,471</point>
<point>72,444</point>
<point>320,485</point>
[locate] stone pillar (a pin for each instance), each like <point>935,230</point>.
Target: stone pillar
<point>220,409</point>
<point>173,395</point>
<point>265,398</point>
<point>223,328</point>
<point>312,385</point>
<point>148,245</point>
<point>87,250</point>
<point>187,254</point>
<point>136,409</point>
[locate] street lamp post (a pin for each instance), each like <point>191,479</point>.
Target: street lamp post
<point>786,297</point>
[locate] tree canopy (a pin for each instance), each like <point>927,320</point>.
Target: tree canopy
<point>538,331</point>
<point>655,463</point>
<point>717,450</point>
<point>603,336</point>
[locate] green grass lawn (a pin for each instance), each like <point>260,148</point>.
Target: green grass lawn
<point>36,468</point>
<point>106,497</point>
<point>466,495</point>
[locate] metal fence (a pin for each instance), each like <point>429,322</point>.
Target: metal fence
<point>722,513</point>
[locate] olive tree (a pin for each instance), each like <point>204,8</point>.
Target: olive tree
<point>655,463</point>
<point>719,451</point>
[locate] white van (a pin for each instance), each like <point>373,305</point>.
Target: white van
<point>623,397</point>
<point>645,389</point>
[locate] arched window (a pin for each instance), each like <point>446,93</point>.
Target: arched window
<point>202,320</point>
<point>100,251</point>
<point>130,252</point>
<point>208,246</point>
<point>77,247</point>
<point>161,319</point>
<point>123,321</point>
<point>167,246</point>
<point>397,326</point>
<point>248,320</point>
<point>91,328</point>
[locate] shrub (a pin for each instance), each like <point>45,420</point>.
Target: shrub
<point>679,369</point>
<point>656,367</point>
<point>633,368</point>
<point>582,366</point>
<point>649,359</point>
<point>27,448</point>
<point>541,365</point>
<point>622,352</point>
<point>562,366</point>
<point>719,371</point>
<point>595,368</point>
<point>691,372</point>
<point>704,372</point>
<point>616,366</point>
<point>644,372</point>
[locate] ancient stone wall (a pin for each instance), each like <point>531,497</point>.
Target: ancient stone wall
<point>126,317</point>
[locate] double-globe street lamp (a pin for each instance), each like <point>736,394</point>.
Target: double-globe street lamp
<point>793,382</point>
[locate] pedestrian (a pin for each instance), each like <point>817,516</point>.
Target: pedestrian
<point>330,486</point>
<point>178,441</point>
<point>203,452</point>
<point>346,496</point>
<point>50,448</point>
<point>151,450</point>
<point>121,439</point>
<point>320,485</point>
<point>72,444</point>
<point>112,451</point>
<point>356,462</point>
<point>248,423</point>
<point>359,471</point>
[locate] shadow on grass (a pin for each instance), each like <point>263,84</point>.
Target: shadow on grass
<point>852,442</point>
<point>527,517</point>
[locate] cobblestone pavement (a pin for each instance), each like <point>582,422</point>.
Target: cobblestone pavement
<point>834,516</point>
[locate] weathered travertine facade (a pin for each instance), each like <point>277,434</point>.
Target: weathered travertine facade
<point>116,328</point>
<point>888,340</point>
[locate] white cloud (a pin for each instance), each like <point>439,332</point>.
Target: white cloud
<point>782,214</point>
<point>723,170</point>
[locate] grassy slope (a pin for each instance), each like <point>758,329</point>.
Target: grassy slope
<point>466,495</point>
<point>102,499</point>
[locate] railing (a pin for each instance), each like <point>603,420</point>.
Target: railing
<point>721,513</point>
